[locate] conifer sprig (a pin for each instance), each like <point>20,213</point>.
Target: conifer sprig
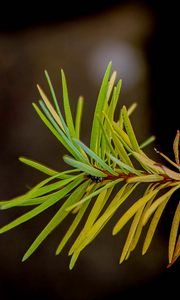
<point>108,161</point>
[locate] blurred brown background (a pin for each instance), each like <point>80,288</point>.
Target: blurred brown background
<point>82,38</point>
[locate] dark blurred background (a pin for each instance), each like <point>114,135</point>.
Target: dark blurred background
<point>140,37</point>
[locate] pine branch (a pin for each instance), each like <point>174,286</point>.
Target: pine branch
<point>95,171</point>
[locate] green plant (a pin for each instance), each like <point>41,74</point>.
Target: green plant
<point>95,171</point>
